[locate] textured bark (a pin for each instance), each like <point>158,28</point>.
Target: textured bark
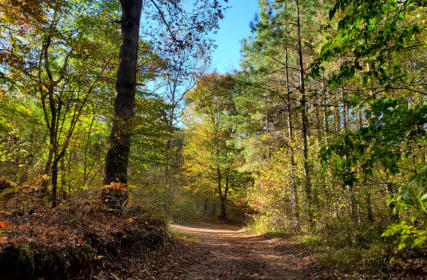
<point>120,139</point>
<point>48,165</point>
<point>295,202</point>
<point>222,214</point>
<point>63,178</point>
<point>307,181</point>
<point>368,197</point>
<point>54,182</point>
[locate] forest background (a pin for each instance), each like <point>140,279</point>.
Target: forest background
<point>322,132</point>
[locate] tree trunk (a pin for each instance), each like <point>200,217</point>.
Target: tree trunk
<point>63,178</point>
<point>54,181</point>
<point>117,159</point>
<point>294,186</point>
<point>369,205</point>
<point>307,183</point>
<point>353,202</point>
<point>368,196</point>
<point>46,175</point>
<point>325,111</point>
<point>205,206</point>
<point>89,133</point>
<point>222,214</point>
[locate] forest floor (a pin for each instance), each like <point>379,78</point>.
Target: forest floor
<point>228,252</point>
<point>208,251</point>
<point>211,251</point>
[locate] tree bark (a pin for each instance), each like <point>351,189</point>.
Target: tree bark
<point>294,186</point>
<point>222,214</point>
<point>54,181</point>
<point>89,133</point>
<point>307,182</point>
<point>63,178</point>
<point>120,138</point>
<point>368,195</point>
<point>46,175</point>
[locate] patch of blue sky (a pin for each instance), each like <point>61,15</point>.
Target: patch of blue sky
<point>232,29</point>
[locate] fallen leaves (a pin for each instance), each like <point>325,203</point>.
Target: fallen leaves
<point>66,225</point>
<point>4,224</point>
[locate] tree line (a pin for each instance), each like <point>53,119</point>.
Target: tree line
<point>323,129</point>
<point>327,115</point>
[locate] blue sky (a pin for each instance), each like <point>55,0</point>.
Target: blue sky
<point>232,29</point>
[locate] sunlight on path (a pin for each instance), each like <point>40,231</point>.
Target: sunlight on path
<point>232,253</point>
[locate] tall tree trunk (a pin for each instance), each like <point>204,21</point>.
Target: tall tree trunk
<point>117,159</point>
<point>353,203</point>
<point>46,175</point>
<point>307,183</point>
<point>368,196</point>
<point>222,214</point>
<point>337,120</point>
<point>205,206</point>
<point>294,186</point>
<point>89,133</point>
<point>325,111</point>
<point>63,178</point>
<point>54,181</point>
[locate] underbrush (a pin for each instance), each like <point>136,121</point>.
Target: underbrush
<point>182,207</point>
<point>355,252</point>
<point>183,236</point>
<point>38,241</point>
<point>369,259</point>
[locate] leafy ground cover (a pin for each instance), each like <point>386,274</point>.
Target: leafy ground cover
<point>56,243</point>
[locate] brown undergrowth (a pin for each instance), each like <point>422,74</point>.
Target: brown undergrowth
<point>38,241</point>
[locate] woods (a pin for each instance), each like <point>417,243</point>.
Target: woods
<point>113,108</point>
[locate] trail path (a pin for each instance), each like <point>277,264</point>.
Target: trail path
<point>227,252</point>
<point>217,252</point>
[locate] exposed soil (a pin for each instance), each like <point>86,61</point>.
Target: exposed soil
<point>227,252</point>
<point>215,252</point>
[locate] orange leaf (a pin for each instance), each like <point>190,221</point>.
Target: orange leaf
<point>130,220</point>
<point>4,224</point>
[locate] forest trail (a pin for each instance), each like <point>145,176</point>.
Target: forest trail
<point>228,252</point>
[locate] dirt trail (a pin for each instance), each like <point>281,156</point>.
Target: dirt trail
<point>217,252</point>
<point>227,252</point>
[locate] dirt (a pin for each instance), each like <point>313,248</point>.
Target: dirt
<point>210,251</point>
<point>228,252</point>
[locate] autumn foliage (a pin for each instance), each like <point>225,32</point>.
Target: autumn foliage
<point>76,234</point>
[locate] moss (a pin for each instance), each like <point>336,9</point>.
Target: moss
<point>137,240</point>
<point>50,265</point>
<point>183,236</point>
<point>80,258</point>
<point>16,262</point>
